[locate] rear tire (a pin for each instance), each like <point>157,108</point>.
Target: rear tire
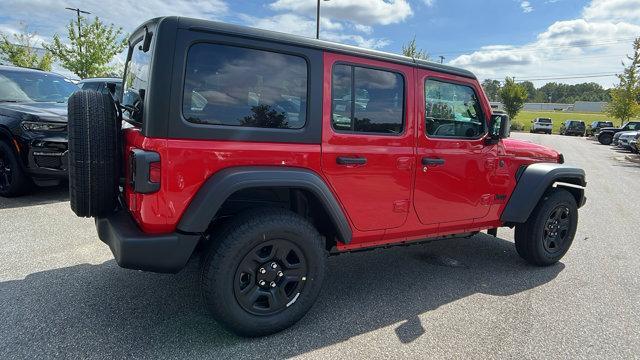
<point>242,297</point>
<point>13,180</point>
<point>548,233</point>
<point>94,153</point>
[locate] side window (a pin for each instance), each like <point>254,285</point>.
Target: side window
<point>90,86</point>
<point>367,100</point>
<point>452,111</point>
<point>234,86</point>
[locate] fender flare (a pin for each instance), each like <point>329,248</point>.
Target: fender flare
<point>215,191</point>
<point>532,184</point>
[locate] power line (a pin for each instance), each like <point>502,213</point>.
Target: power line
<point>528,48</point>
<point>565,77</point>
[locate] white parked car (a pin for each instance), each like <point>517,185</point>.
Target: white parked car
<point>543,125</point>
<point>625,139</point>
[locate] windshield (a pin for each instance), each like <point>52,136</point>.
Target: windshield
<point>544,121</point>
<point>26,86</point>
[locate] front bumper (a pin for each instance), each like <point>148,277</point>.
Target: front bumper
<point>134,249</point>
<point>48,157</point>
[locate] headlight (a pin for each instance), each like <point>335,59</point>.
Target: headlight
<point>43,126</point>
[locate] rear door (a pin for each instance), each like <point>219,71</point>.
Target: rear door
<point>368,139</point>
<point>454,162</point>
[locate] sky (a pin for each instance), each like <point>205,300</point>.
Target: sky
<point>568,41</point>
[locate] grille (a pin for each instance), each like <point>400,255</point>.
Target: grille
<point>52,162</point>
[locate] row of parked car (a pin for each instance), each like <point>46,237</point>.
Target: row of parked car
<point>33,126</point>
<point>625,137</point>
<point>569,127</point>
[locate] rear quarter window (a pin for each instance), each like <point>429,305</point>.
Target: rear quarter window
<point>235,86</point>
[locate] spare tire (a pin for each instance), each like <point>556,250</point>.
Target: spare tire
<point>94,153</point>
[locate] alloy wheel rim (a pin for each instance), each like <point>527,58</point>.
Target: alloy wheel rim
<point>5,173</point>
<point>556,229</point>
<point>271,277</point>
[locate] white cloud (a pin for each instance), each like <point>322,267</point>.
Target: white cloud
<point>363,28</point>
<point>338,19</point>
<point>50,15</point>
<point>593,44</point>
<point>613,10</point>
<point>429,2</point>
<point>526,6</point>
<point>366,12</point>
<point>300,25</point>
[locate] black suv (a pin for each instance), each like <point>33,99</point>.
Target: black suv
<point>572,127</point>
<point>33,128</point>
<point>605,136</point>
<point>594,127</point>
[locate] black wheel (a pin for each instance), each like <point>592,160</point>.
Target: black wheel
<point>94,153</point>
<point>548,233</point>
<point>13,180</point>
<point>264,272</point>
<point>605,139</point>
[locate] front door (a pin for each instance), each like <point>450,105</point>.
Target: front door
<point>454,162</point>
<point>368,139</point>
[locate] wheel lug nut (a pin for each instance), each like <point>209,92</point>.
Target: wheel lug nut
<point>263,271</point>
<point>273,284</point>
<point>280,274</point>
<point>261,283</point>
<point>274,265</point>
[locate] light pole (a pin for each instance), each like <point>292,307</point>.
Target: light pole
<point>78,11</point>
<point>318,19</point>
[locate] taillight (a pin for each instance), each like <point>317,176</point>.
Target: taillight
<point>154,172</point>
<point>145,171</point>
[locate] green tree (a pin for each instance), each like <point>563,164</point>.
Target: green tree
<point>531,90</point>
<point>92,45</point>
<point>513,96</point>
<point>22,52</point>
<point>624,97</point>
<point>491,88</point>
<point>411,50</point>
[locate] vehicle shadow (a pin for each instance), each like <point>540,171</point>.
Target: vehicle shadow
<point>38,196</point>
<point>104,311</point>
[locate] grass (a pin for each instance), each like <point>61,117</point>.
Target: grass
<point>558,117</point>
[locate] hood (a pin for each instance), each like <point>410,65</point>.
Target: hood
<point>627,133</point>
<point>527,149</point>
<point>612,128</point>
<point>35,111</point>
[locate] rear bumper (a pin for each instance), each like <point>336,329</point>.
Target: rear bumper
<point>134,249</point>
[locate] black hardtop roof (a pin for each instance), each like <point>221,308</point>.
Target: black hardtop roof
<point>243,31</point>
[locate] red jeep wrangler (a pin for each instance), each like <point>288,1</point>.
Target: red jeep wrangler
<point>266,152</point>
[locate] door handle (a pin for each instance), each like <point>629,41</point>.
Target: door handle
<point>432,161</point>
<point>347,160</point>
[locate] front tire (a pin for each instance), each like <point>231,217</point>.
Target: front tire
<point>264,272</point>
<point>548,233</point>
<point>605,139</point>
<point>13,180</point>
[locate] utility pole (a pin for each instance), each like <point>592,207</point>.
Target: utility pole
<point>318,19</point>
<point>78,11</point>
<point>441,59</point>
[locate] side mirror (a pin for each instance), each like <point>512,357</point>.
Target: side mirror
<point>499,128</point>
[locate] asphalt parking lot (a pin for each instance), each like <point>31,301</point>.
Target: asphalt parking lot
<point>63,296</point>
